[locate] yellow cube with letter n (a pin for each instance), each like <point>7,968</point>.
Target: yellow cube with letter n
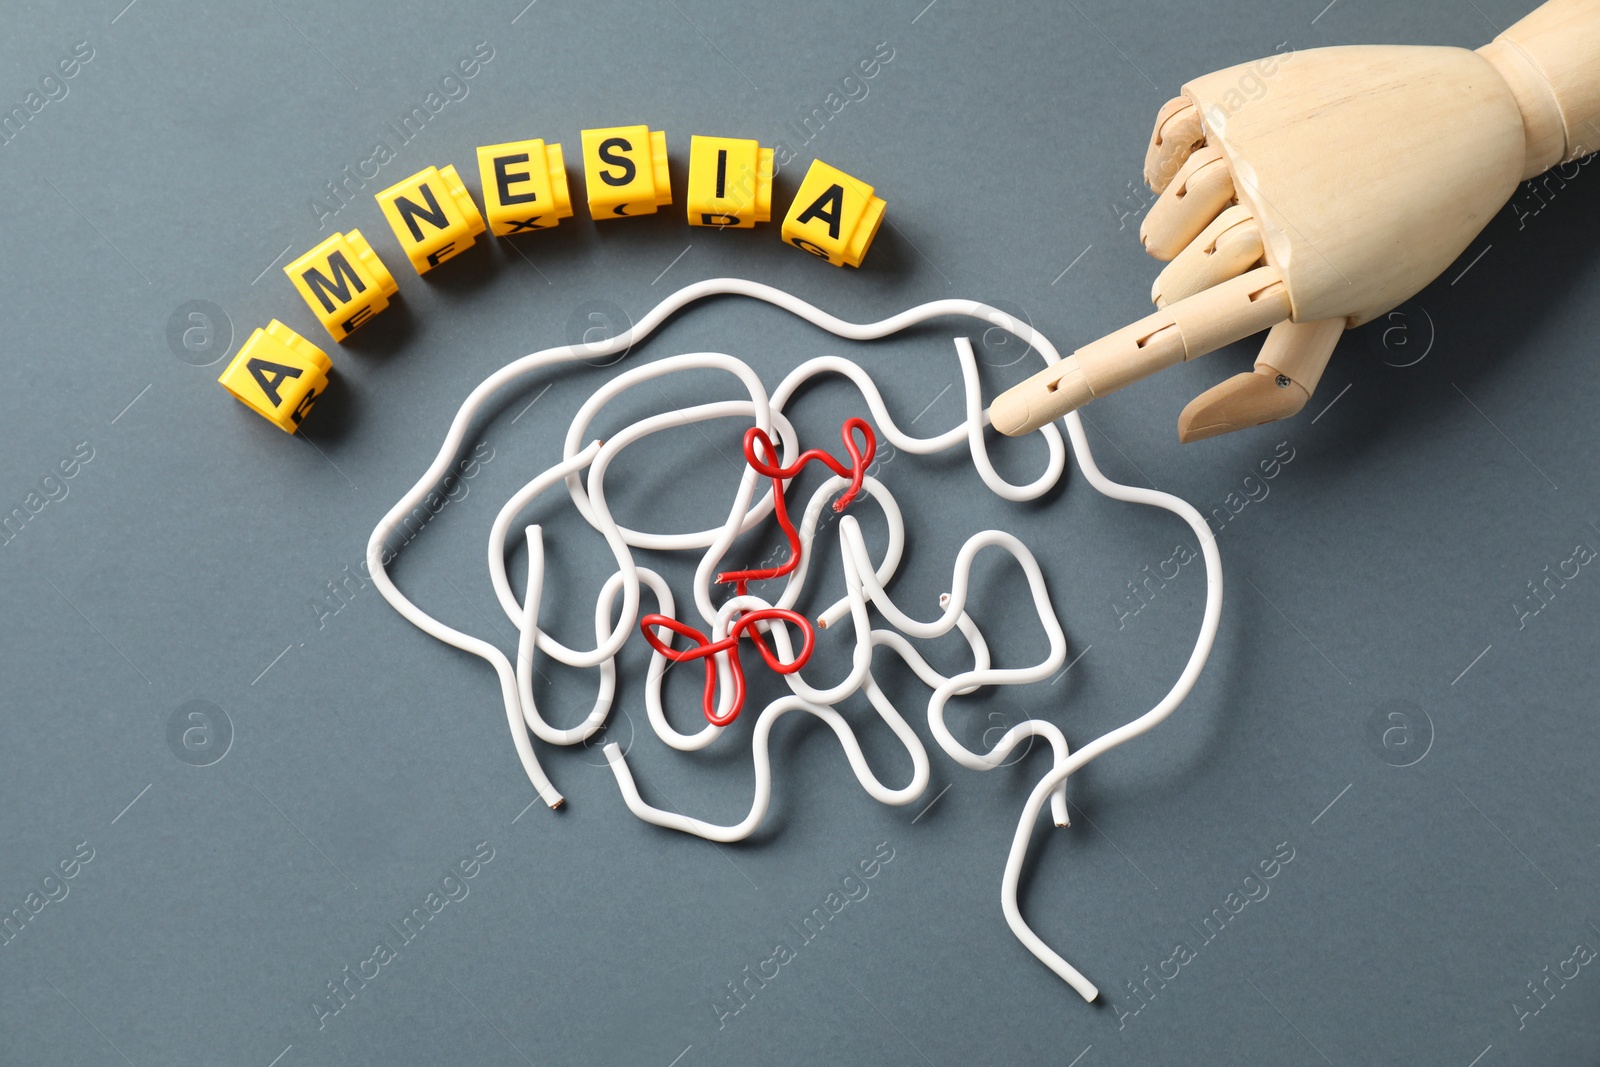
<point>432,215</point>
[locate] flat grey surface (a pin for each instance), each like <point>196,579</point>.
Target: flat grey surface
<point>1442,859</point>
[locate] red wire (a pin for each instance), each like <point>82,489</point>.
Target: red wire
<point>705,648</point>
<point>860,460</point>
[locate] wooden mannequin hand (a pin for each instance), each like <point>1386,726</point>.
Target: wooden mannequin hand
<point>1312,192</point>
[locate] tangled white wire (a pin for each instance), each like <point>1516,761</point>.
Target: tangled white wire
<point>865,584</point>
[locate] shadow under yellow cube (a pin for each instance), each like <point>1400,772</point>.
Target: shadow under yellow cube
<point>278,374</point>
<point>524,186</point>
<point>343,282</point>
<point>730,182</point>
<point>625,171</point>
<point>833,216</point>
<point>433,216</point>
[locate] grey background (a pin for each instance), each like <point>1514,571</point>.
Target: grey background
<point>1379,575</point>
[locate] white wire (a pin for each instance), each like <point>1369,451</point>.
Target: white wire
<point>1128,731</point>
<point>499,532</point>
<point>864,582</point>
<point>650,371</point>
<point>954,603</point>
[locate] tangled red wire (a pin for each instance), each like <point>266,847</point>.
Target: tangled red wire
<point>762,456</point>
<point>860,460</point>
<point>706,649</point>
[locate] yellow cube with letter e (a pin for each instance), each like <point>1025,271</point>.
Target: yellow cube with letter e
<point>730,182</point>
<point>433,216</point>
<point>834,216</point>
<point>524,186</point>
<point>625,171</point>
<point>278,374</point>
<point>343,282</point>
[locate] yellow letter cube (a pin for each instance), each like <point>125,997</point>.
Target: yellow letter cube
<point>833,216</point>
<point>433,215</point>
<point>278,374</point>
<point>524,186</point>
<point>625,171</point>
<point>343,281</point>
<point>730,182</point>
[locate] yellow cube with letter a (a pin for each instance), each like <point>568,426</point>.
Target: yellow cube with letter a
<point>730,182</point>
<point>834,216</point>
<point>432,215</point>
<point>625,171</point>
<point>278,374</point>
<point>343,282</point>
<point>524,186</point>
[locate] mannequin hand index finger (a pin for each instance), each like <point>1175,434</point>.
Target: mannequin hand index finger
<point>1182,330</point>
